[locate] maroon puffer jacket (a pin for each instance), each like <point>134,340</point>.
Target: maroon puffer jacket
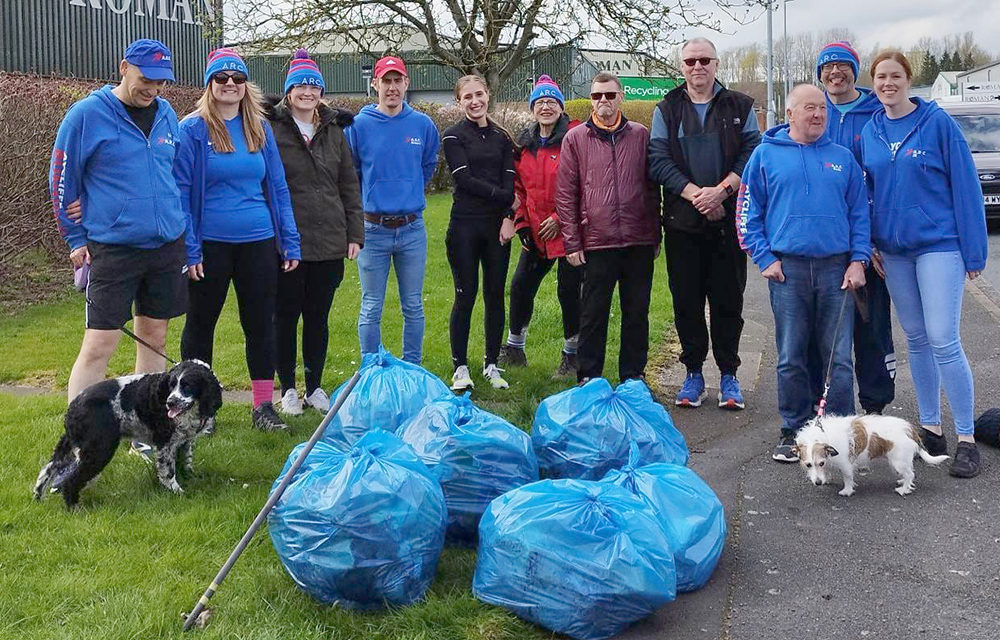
<point>603,197</point>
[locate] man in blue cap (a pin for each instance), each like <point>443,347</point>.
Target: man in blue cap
<point>118,208</point>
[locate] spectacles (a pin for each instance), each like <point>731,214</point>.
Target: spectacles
<point>704,61</point>
<point>547,103</point>
<point>607,95</point>
<point>224,78</point>
<point>836,66</point>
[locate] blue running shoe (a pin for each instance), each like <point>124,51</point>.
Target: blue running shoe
<point>692,391</point>
<point>730,395</point>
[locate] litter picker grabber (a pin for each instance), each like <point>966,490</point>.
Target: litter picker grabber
<point>271,501</point>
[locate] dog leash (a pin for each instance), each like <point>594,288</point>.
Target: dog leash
<point>129,333</point>
<point>821,410</point>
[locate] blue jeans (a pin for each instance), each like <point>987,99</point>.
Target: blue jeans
<point>927,291</point>
<point>406,248</point>
<point>806,307</point>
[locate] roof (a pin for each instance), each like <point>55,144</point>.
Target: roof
<point>951,77</point>
<point>985,66</point>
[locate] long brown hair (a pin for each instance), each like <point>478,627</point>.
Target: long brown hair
<point>460,84</point>
<point>895,55</point>
<point>252,110</point>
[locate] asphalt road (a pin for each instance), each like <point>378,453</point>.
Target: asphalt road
<point>804,562</point>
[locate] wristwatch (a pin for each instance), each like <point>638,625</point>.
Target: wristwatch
<point>729,188</point>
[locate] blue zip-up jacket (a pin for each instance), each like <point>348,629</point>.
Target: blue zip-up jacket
<point>845,128</point>
<point>926,192</point>
<point>805,200</point>
<point>395,158</point>
<point>123,179</point>
<point>189,169</point>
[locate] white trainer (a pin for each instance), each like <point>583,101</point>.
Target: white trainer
<point>290,403</point>
<point>492,373</point>
<point>318,400</point>
<point>461,379</point>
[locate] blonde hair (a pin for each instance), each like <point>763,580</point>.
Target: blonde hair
<point>464,80</point>
<point>252,110</point>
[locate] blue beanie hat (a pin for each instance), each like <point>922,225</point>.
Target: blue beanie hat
<point>841,51</point>
<point>224,60</point>
<point>303,70</point>
<point>546,87</point>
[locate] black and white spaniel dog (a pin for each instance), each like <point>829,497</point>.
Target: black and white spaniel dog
<point>166,410</point>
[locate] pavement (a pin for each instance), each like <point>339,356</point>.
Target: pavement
<point>803,562</point>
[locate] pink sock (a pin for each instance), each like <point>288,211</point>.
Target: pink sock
<point>263,391</point>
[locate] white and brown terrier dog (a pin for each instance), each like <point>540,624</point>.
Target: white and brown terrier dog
<point>851,442</point>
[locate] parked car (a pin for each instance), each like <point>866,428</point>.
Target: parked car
<point>980,122</point>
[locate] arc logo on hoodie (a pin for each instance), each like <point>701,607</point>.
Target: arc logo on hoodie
<point>835,167</point>
<point>915,153</point>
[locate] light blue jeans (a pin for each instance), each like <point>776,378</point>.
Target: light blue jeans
<point>927,291</point>
<point>406,248</point>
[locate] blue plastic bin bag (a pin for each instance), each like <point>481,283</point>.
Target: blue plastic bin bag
<point>363,528</point>
<point>584,432</point>
<point>581,558</point>
<point>688,508</point>
<point>389,392</point>
<point>475,455</point>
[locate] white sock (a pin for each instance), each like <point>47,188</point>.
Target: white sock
<point>517,340</point>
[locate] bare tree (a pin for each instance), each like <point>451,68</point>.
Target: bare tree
<point>491,38</point>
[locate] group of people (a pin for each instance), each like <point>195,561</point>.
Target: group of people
<point>274,197</point>
<point>866,191</point>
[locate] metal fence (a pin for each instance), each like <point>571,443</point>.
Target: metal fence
<point>86,38</point>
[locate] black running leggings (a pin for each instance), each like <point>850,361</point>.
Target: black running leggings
<point>252,267</point>
<point>531,270</point>
<point>307,292</point>
<point>472,242</point>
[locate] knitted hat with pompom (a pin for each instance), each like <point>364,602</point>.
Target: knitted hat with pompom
<point>303,70</point>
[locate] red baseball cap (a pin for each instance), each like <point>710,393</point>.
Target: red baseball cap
<point>387,64</point>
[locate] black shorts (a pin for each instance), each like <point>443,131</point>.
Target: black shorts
<point>155,279</point>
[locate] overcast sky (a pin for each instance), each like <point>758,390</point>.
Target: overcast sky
<point>898,23</point>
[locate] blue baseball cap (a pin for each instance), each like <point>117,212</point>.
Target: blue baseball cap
<point>152,58</point>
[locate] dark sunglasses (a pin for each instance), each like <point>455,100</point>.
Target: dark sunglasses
<point>223,78</point>
<point>704,61</point>
<point>608,95</point>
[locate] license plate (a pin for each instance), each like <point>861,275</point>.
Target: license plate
<point>991,199</point>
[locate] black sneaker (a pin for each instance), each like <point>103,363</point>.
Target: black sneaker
<point>785,451</point>
<point>873,411</point>
<point>266,418</point>
<point>512,357</point>
<point>936,445</point>
<point>567,366</point>
<point>966,462</point>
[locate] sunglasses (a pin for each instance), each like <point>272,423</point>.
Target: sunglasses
<point>607,95</point>
<point>704,61</point>
<point>223,78</point>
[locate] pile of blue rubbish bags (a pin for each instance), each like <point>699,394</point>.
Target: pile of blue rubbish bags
<point>615,529</point>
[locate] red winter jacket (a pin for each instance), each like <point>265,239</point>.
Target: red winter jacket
<point>603,197</point>
<point>535,184</point>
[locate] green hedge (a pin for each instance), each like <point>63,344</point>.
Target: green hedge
<point>635,110</point>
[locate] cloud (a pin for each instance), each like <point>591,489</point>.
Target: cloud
<point>896,23</point>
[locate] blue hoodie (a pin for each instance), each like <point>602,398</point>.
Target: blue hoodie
<point>926,193</point>
<point>845,128</point>
<point>805,200</point>
<point>395,157</point>
<point>122,179</point>
<point>190,168</point>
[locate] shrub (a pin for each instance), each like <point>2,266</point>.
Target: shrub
<point>31,108</point>
<point>635,110</point>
